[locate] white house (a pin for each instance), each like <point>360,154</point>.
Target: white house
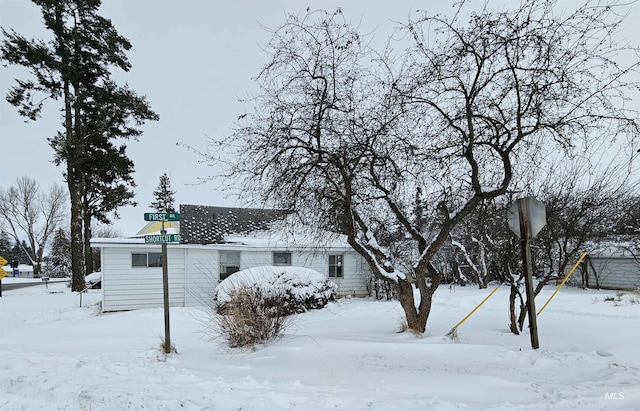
<point>216,242</point>
<point>22,271</point>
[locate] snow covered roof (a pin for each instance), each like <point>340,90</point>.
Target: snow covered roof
<point>227,228</point>
<point>21,267</point>
<point>614,249</point>
<point>281,235</point>
<point>213,225</point>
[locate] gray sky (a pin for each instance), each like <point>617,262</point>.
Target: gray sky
<point>192,59</point>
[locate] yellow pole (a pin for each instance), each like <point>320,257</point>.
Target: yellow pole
<point>566,277</point>
<point>453,330</point>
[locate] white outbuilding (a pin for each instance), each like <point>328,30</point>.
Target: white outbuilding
<point>615,268</point>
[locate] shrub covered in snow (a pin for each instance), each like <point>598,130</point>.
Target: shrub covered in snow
<point>94,280</point>
<point>284,290</point>
<point>248,318</point>
<point>254,306</point>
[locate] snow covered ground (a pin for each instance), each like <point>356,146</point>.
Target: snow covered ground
<point>55,355</point>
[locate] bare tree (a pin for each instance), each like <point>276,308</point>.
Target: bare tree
<point>628,221</point>
<point>482,242</point>
<point>102,231</point>
<point>582,205</point>
<point>25,210</point>
<point>345,136</point>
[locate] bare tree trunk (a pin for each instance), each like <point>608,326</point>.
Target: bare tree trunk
<point>522,316</point>
<point>513,326</point>
<point>596,275</point>
<point>37,267</point>
<point>416,321</point>
<point>88,253</point>
<point>416,317</point>
<point>75,194</point>
<point>77,249</point>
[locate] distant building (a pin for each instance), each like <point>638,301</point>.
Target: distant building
<point>615,268</point>
<point>22,271</point>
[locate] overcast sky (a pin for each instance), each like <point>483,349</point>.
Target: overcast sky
<point>192,59</point>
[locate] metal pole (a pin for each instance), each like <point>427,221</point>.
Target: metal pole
<point>523,214</point>
<point>165,289</point>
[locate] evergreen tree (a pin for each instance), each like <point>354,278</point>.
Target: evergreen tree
<point>20,253</point>
<point>5,245</point>
<point>109,186</point>
<point>60,265</point>
<point>164,196</point>
<point>76,66</point>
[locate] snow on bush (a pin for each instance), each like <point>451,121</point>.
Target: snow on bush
<point>93,277</point>
<point>249,318</point>
<point>93,280</point>
<point>287,289</point>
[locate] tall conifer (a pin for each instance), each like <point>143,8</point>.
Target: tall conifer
<point>164,196</point>
<point>75,67</point>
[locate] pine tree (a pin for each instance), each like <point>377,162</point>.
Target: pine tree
<point>164,196</point>
<point>20,253</point>
<point>5,245</point>
<point>109,186</point>
<point>75,66</point>
<point>60,255</point>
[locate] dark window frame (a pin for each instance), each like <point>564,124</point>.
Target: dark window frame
<point>228,267</point>
<point>151,260</point>
<point>288,259</point>
<point>336,266</point>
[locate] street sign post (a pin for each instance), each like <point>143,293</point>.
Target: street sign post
<point>162,238</point>
<point>526,218</point>
<point>161,216</point>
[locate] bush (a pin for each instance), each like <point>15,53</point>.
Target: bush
<point>254,306</point>
<point>248,318</point>
<point>286,290</point>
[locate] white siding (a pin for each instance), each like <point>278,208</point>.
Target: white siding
<point>616,273</point>
<point>355,273</point>
<point>194,273</point>
<point>125,287</point>
<point>256,258</point>
<point>202,266</point>
<point>203,270</point>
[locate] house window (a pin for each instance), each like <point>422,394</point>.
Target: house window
<point>154,259</point>
<point>146,260</point>
<point>335,266</point>
<point>281,258</point>
<point>229,263</point>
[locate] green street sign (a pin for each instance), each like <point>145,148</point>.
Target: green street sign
<point>161,216</point>
<point>162,238</point>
